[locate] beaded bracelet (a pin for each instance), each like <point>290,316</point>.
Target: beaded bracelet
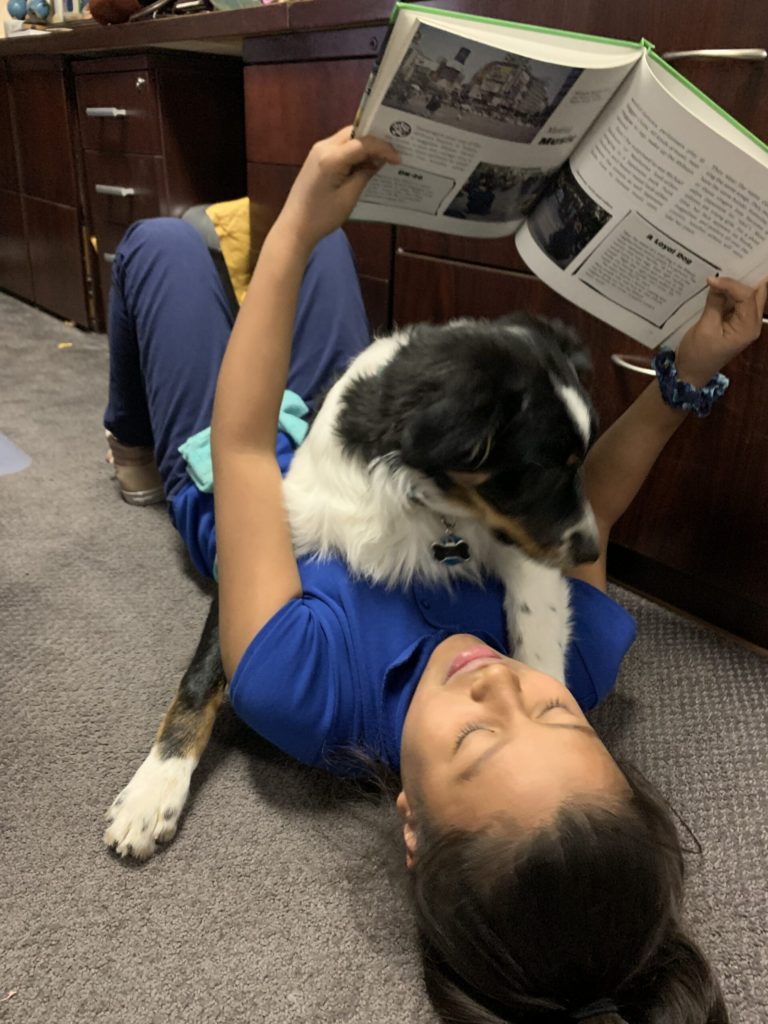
<point>679,395</point>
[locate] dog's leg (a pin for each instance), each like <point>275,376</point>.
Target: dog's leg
<point>147,811</point>
<point>537,607</point>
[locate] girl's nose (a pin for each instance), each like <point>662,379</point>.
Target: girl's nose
<point>496,681</point>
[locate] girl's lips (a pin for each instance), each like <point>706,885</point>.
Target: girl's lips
<point>467,657</point>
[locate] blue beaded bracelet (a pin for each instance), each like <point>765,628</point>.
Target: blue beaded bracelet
<point>679,395</point>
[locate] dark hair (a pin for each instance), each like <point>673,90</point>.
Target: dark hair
<point>520,928</point>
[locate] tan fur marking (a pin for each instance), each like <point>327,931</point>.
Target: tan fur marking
<point>192,729</point>
<point>465,479</point>
<point>495,521</point>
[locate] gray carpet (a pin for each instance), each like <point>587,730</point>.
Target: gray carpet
<point>276,902</point>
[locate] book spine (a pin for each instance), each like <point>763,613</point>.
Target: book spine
<point>543,29</point>
<point>652,55</point>
<point>374,71</point>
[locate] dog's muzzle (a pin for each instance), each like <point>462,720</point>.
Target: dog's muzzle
<point>583,547</point>
<point>582,542</point>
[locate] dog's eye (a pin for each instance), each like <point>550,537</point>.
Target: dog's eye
<point>503,538</point>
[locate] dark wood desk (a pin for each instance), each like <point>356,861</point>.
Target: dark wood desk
<point>697,535</point>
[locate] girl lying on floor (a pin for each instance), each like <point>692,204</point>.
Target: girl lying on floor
<point>547,880</point>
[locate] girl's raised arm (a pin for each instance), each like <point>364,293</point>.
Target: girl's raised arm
<point>257,568</point>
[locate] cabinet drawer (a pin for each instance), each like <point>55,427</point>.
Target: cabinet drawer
<point>118,112</point>
<point>122,189</point>
<point>496,252</point>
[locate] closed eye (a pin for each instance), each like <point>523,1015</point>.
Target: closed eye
<point>551,705</point>
<point>470,727</point>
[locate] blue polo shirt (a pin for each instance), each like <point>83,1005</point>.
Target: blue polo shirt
<point>335,669</point>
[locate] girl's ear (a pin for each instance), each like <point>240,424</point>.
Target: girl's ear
<point>409,828</point>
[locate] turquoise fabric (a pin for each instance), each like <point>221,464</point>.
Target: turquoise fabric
<point>196,450</point>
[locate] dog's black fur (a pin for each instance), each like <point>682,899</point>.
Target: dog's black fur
<point>476,397</point>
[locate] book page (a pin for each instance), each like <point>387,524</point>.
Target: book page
<point>480,130</point>
<point>658,197</point>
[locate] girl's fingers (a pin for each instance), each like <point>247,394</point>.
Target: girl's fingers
<point>369,149</point>
<point>742,303</point>
<point>735,290</point>
<point>761,296</point>
<point>348,150</point>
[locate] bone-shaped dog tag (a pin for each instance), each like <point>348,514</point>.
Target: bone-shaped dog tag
<point>451,550</point>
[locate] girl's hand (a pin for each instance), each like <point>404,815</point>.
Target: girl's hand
<point>730,322</point>
<point>330,183</point>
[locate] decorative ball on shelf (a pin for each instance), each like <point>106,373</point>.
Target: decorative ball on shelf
<point>17,9</point>
<point>40,8</point>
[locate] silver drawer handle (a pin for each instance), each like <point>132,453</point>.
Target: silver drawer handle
<point>637,364</point>
<point>755,53</point>
<point>105,112</point>
<point>108,257</point>
<point>115,190</point>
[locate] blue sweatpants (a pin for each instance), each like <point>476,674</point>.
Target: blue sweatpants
<point>169,322</point>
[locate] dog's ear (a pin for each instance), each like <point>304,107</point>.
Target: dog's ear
<point>573,348</point>
<point>447,435</point>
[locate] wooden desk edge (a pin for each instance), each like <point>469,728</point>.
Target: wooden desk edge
<point>214,32</point>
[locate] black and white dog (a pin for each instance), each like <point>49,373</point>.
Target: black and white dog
<point>442,452</point>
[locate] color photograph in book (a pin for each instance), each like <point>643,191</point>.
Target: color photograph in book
<point>477,88</point>
<point>567,218</point>
<point>495,192</point>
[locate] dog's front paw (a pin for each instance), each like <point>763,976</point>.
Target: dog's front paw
<point>147,811</point>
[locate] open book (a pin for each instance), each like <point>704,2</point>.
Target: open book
<point>625,185</point>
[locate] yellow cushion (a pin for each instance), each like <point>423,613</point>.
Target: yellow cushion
<point>232,221</point>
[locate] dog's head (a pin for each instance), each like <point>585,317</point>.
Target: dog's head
<point>495,414</point>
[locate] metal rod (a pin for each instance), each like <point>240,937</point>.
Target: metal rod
<point>637,364</point>
<point>115,190</point>
<point>753,53</point>
<point>105,112</point>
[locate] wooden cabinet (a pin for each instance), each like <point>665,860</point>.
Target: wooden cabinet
<point>9,178</point>
<point>147,149</point>
<point>91,145</point>
<point>41,252</point>
<point>15,272</point>
<point>289,106</point>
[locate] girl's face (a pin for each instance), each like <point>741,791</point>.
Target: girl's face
<point>486,736</point>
